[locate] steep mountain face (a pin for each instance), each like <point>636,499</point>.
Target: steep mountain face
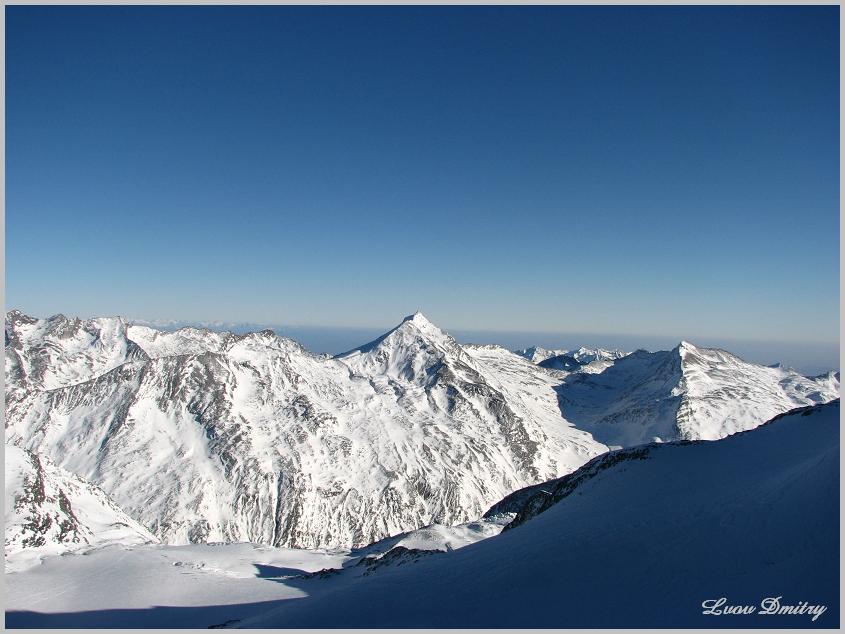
<point>686,393</point>
<point>49,510</point>
<point>752,516</point>
<point>218,437</point>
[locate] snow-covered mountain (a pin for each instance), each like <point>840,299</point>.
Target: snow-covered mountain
<point>206,436</point>
<point>217,437</point>
<point>583,359</point>
<point>685,393</point>
<point>536,354</point>
<point>47,354</point>
<point>187,340</point>
<point>588,360</point>
<point>49,511</point>
<point>637,538</point>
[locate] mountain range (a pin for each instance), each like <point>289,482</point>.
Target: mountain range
<point>592,360</point>
<point>203,436</point>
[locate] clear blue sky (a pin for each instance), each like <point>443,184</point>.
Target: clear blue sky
<point>649,171</point>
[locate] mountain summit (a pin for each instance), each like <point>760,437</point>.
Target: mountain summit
<point>414,351</point>
<point>420,320</point>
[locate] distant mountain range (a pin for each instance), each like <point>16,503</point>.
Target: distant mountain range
<point>201,436</point>
<point>583,359</point>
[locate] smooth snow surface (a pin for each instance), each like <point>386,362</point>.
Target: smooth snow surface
<point>193,586</point>
<point>200,585</point>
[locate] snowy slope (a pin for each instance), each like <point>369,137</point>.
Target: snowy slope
<point>210,437</point>
<point>685,393</point>
<point>201,585</point>
<point>639,542</point>
<point>188,340</point>
<point>439,537</point>
<point>49,511</point>
<point>193,586</point>
<point>528,389</point>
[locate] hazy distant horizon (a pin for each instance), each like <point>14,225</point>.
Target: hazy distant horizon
<point>809,358</point>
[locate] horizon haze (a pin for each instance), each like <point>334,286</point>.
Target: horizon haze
<point>810,359</point>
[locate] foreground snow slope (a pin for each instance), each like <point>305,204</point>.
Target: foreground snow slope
<point>200,585</point>
<point>49,511</point>
<point>209,437</point>
<point>640,543</point>
<point>193,586</point>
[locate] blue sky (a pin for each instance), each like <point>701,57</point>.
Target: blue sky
<point>659,172</point>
